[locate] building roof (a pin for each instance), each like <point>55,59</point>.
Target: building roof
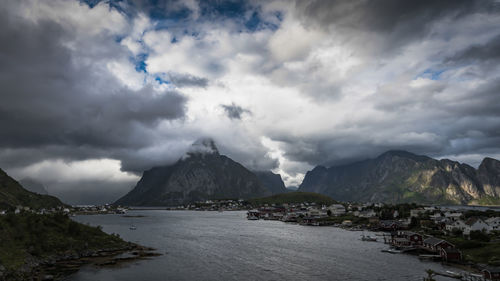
<point>401,240</point>
<point>472,221</point>
<point>433,241</point>
<point>451,250</point>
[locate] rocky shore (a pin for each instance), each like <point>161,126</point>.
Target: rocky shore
<point>59,266</point>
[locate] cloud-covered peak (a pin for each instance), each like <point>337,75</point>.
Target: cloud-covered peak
<point>203,146</point>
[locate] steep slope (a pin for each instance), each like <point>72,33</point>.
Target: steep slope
<point>271,181</point>
<point>12,194</point>
<point>200,175</point>
<point>400,176</point>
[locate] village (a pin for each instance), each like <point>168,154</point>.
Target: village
<point>459,236</point>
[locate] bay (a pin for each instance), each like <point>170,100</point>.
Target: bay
<point>225,246</point>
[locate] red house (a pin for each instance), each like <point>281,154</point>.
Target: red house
<point>491,273</point>
<point>435,244</point>
<point>415,238</point>
<point>450,254</point>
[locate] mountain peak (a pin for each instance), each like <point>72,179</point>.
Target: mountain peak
<point>403,153</point>
<point>203,146</point>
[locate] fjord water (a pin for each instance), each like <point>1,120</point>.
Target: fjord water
<point>226,246</point>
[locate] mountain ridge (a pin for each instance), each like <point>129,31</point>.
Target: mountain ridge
<point>401,176</point>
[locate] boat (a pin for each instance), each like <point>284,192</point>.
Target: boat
<point>132,227</point>
<point>368,238</point>
<point>391,251</point>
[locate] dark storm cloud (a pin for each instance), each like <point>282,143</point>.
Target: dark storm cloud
<point>399,22</point>
<point>52,100</point>
<point>234,111</point>
<point>487,52</point>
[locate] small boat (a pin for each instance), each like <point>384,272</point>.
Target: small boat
<point>368,238</point>
<point>391,251</point>
<point>132,227</point>
<point>453,274</point>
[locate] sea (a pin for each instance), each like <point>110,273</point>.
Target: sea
<point>203,245</point>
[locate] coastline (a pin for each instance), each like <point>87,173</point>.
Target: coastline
<point>58,267</point>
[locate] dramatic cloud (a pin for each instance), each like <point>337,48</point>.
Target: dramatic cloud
<point>108,89</point>
<point>234,111</point>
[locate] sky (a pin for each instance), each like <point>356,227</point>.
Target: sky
<point>92,93</point>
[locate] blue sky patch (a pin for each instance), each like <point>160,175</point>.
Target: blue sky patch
<point>433,74</point>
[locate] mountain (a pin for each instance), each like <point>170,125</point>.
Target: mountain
<point>292,188</point>
<point>12,194</point>
<point>271,181</point>
<point>200,175</point>
<point>401,176</point>
<point>33,186</point>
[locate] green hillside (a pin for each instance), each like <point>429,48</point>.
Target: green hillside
<point>26,237</point>
<point>293,197</point>
<point>12,194</point>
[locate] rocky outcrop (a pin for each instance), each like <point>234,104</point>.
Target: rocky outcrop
<point>200,175</point>
<point>400,176</point>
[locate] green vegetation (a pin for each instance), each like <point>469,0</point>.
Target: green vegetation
<point>12,194</point>
<point>487,201</point>
<point>293,197</point>
<point>477,250</point>
<point>27,235</point>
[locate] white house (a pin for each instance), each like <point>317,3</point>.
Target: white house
<point>367,214</point>
<point>494,223</point>
<point>415,212</point>
<point>456,224</point>
<point>337,209</point>
<point>474,224</point>
<point>453,215</point>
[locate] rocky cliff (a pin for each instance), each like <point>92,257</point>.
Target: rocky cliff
<point>400,176</point>
<point>200,175</point>
<point>271,181</point>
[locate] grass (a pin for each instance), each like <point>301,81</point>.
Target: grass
<point>293,197</point>
<point>477,251</point>
<point>29,235</point>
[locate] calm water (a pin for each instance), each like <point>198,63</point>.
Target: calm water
<point>226,246</point>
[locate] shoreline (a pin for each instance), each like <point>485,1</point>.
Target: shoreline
<point>60,266</point>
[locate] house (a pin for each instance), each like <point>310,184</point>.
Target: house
<point>450,254</point>
<point>453,215</point>
<point>456,224</point>
<point>367,214</point>
<point>415,238</point>
<point>337,209</point>
<point>389,225</point>
<point>406,238</point>
<point>433,244</point>
<point>416,212</point>
<point>347,223</point>
<point>491,273</point>
<point>494,223</point>
<point>474,223</point>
